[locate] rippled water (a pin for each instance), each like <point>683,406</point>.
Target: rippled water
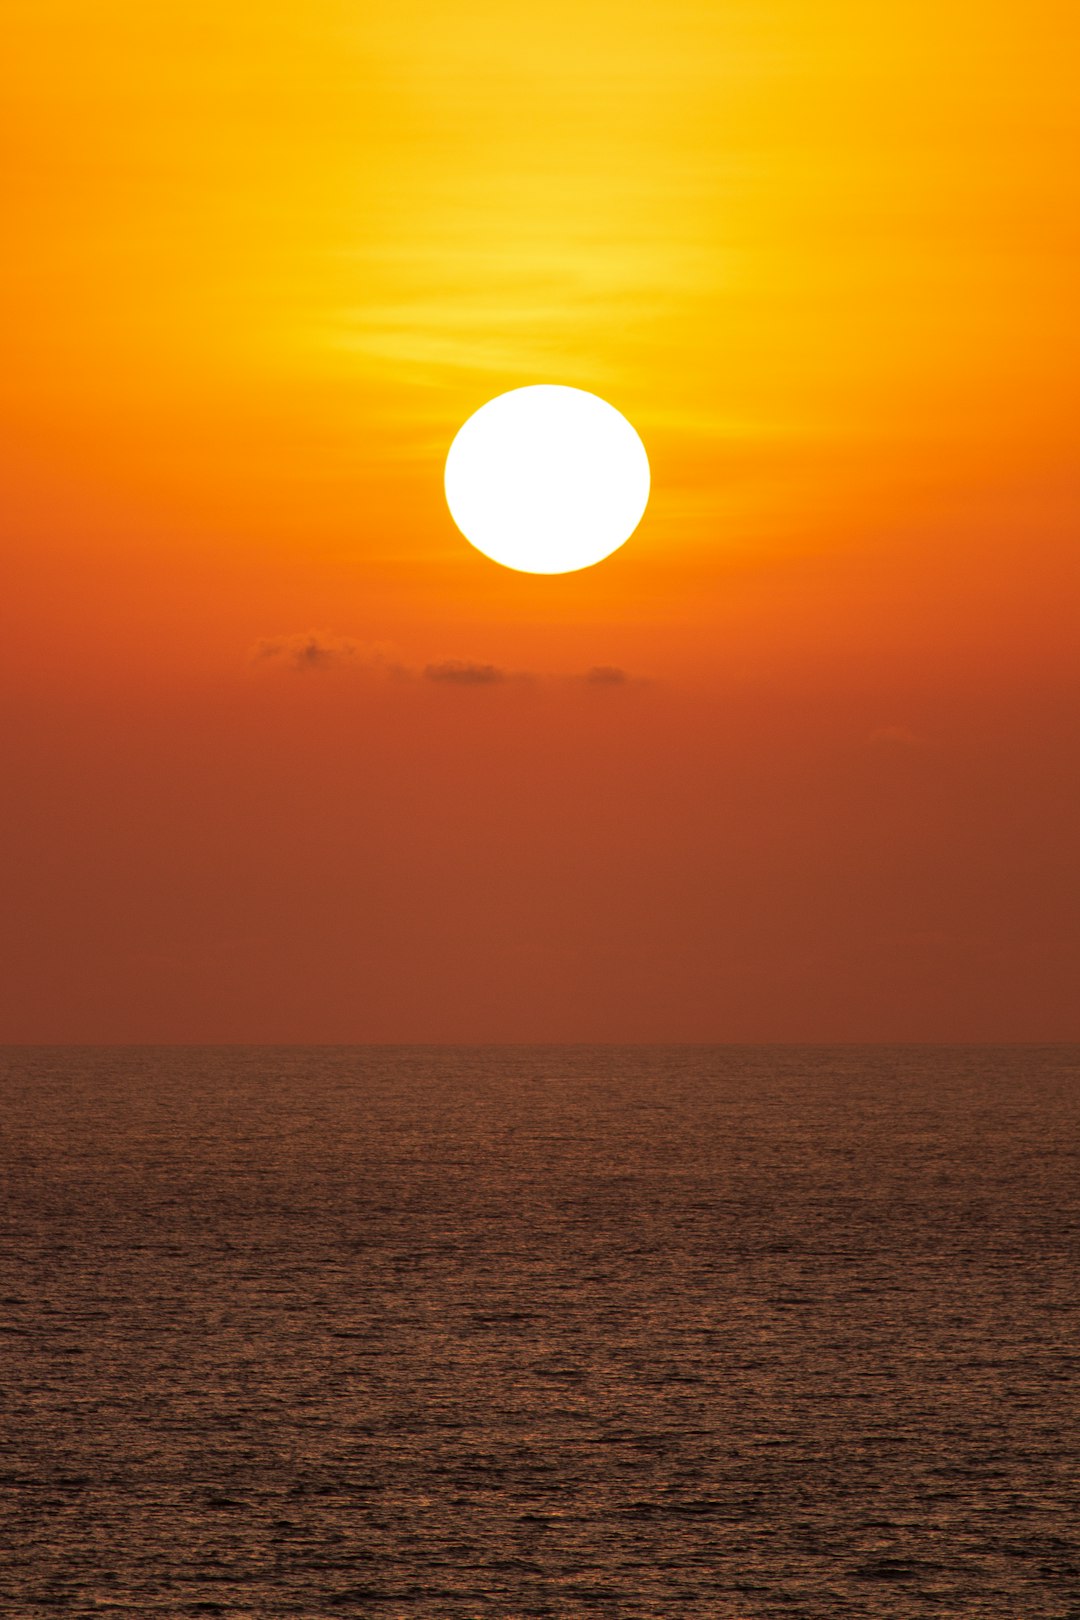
<point>732,1332</point>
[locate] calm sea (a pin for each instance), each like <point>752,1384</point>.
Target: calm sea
<point>732,1332</point>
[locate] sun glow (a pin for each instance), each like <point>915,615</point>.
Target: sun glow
<point>547,479</point>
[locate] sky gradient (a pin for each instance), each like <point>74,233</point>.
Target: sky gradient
<point>287,760</point>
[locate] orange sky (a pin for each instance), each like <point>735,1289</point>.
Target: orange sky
<point>285,759</point>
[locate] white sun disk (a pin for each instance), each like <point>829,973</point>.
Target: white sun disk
<point>547,479</point>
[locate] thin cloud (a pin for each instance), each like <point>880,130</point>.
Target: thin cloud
<point>313,650</point>
<point>458,672</point>
<point>319,651</point>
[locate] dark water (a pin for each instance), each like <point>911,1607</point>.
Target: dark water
<point>506,1332</point>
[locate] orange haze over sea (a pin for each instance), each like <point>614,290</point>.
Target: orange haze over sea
<point>287,760</point>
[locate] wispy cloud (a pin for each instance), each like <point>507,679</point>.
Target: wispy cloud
<point>310,650</point>
<point>459,672</point>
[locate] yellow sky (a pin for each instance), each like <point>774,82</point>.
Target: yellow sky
<point>819,252</point>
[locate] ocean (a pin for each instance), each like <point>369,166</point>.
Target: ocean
<point>457,1333</point>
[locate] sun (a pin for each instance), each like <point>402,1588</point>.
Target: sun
<point>547,479</point>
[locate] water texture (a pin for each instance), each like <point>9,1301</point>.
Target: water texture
<point>506,1332</point>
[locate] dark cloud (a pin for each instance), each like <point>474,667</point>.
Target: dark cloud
<point>320,650</point>
<point>310,651</point>
<point>606,675</point>
<point>456,672</point>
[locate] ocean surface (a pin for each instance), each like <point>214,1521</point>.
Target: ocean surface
<point>446,1332</point>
